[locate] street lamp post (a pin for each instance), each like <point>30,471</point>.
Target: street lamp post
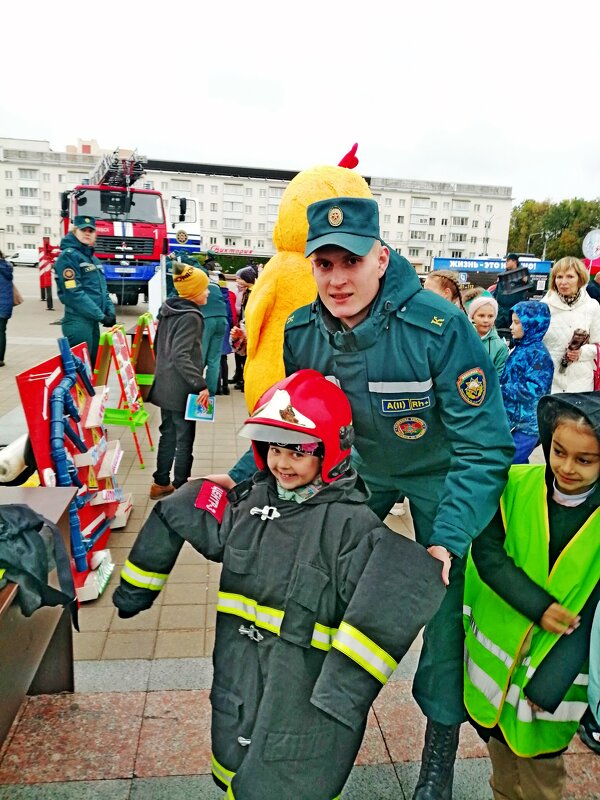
<point>539,233</point>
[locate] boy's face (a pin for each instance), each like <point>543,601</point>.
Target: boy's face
<point>516,328</point>
<point>292,469</point>
<point>574,457</point>
<point>201,298</point>
<point>484,319</point>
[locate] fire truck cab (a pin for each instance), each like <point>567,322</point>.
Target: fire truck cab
<point>130,224</point>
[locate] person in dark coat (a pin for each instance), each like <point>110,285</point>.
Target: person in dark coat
<point>178,373</point>
<point>317,603</point>
<point>82,287</point>
<point>6,302</point>
<point>532,586</point>
<point>527,375</point>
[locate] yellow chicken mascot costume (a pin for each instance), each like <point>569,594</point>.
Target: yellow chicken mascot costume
<point>286,282</point>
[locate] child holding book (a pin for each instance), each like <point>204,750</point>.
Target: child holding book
<point>317,603</point>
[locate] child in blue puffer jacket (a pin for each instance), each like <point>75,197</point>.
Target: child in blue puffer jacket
<point>527,375</point>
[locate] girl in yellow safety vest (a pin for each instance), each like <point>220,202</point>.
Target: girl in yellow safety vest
<point>531,589</point>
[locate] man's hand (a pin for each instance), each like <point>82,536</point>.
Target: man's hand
<point>573,355</point>
<point>558,619</point>
<point>220,479</point>
<point>109,320</point>
<point>443,555</point>
<point>203,398</point>
<point>533,706</point>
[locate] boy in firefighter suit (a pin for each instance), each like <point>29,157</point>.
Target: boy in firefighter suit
<point>82,287</point>
<point>429,423</point>
<point>531,590</point>
<point>317,603</point>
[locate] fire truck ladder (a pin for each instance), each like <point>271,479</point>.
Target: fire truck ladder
<point>113,170</point>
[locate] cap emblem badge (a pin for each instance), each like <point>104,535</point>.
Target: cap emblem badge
<point>335,216</point>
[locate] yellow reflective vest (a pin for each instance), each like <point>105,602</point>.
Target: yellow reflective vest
<point>503,648</point>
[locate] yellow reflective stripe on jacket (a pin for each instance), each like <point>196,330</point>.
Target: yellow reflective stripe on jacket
<point>142,578</point>
<point>269,618</point>
<point>264,617</point>
<point>220,772</point>
<point>2,571</point>
<point>364,652</point>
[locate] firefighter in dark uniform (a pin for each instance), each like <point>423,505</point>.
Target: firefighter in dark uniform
<point>429,424</point>
<point>82,287</point>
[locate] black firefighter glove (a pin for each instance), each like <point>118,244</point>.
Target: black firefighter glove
<point>109,320</point>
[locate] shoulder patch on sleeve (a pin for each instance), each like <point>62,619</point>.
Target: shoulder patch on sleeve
<point>212,498</point>
<point>472,386</point>
<point>301,316</point>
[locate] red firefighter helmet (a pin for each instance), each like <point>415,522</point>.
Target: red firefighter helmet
<point>302,408</point>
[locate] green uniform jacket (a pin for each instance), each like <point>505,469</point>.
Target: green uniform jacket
<point>317,603</point>
<point>426,403</point>
<point>496,348</point>
<point>80,282</point>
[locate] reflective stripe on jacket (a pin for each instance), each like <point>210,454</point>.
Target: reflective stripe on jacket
<point>503,647</point>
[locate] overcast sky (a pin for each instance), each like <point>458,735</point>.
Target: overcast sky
<point>499,93</point>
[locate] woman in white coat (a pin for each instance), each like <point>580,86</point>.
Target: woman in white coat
<point>571,307</point>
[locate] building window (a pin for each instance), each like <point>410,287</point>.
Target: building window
<point>47,212</point>
<point>473,240</point>
<point>60,177</point>
<point>387,201</point>
<point>421,202</point>
<point>458,237</point>
<point>386,235</point>
<point>417,219</point>
<point>487,223</point>
<point>262,228</point>
<point>429,252</point>
<point>212,240</point>
<point>430,237</point>
<point>29,174</point>
<point>10,228</point>
<point>10,246</point>
<point>440,252</point>
<point>417,234</point>
<point>260,244</point>
<point>444,221</point>
<point>401,220</point>
<point>476,207</point>
<point>248,191</point>
<point>9,192</point>
<point>213,223</point>
<point>47,231</point>
<point>148,184</point>
<point>9,210</point>
<point>475,223</point>
<point>276,191</point>
<point>28,229</point>
<point>413,251</point>
<point>29,211</point>
<point>229,242</point>
<point>247,242</point>
<point>461,205</point>
<point>446,206</point>
<point>456,254</point>
<point>46,195</point>
<point>262,192</point>
<point>443,237</point>
<point>7,174</point>
<point>228,205</point>
<point>27,191</point>
<point>460,221</point>
<point>214,207</point>
<point>262,210</point>
<point>247,209</point>
<point>489,209</point>
<point>433,205</point>
<point>247,226</point>
<point>387,218</point>
<point>232,224</point>
<point>164,186</point>
<point>432,220</point>
<point>399,251</point>
<point>233,188</point>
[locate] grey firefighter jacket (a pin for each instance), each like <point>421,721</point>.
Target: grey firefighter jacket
<point>317,603</point>
<point>426,404</point>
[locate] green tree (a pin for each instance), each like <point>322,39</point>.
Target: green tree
<point>561,227</point>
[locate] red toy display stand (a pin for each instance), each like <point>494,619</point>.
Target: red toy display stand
<point>95,468</point>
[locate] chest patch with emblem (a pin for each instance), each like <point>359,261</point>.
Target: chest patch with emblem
<point>68,274</point>
<point>472,386</point>
<point>398,405</point>
<point>410,428</point>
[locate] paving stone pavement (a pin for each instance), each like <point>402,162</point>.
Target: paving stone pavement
<point>137,726</point>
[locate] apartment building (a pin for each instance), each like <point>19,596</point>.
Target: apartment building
<point>238,206</point>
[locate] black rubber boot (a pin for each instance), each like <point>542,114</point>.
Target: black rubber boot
<point>437,762</point>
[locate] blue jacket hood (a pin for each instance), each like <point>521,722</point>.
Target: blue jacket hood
<point>535,319</point>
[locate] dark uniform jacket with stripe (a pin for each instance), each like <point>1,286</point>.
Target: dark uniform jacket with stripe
<point>317,603</point>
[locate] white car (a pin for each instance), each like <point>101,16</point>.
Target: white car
<point>24,258</point>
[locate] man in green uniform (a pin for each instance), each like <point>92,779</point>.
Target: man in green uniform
<point>82,287</point>
<point>429,424</point>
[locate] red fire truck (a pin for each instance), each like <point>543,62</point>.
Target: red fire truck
<point>130,224</point>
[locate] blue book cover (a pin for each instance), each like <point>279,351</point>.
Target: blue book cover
<point>199,413</point>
